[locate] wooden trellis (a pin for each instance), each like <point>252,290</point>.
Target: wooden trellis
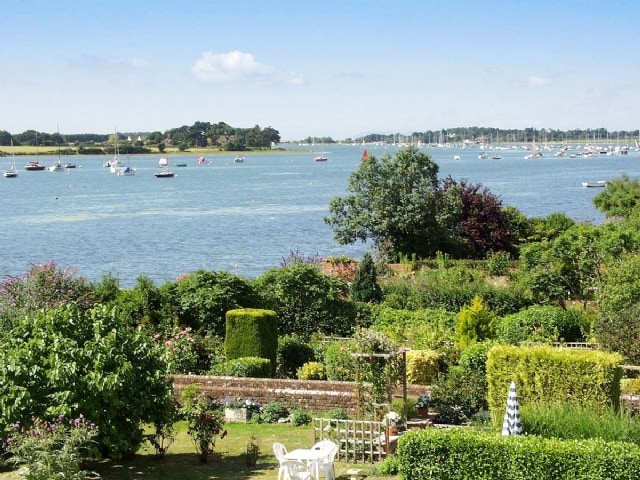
<point>403,378</point>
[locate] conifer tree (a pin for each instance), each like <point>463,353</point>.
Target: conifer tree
<point>365,287</point>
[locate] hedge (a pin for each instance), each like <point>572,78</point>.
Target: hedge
<point>470,454</point>
<point>551,375</point>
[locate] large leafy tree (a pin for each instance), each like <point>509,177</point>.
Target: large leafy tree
<point>620,198</point>
<point>395,202</point>
<point>484,226</point>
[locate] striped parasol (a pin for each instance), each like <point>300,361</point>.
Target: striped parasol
<point>511,424</point>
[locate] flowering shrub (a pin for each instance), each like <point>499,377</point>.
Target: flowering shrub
<point>181,350</point>
<point>205,418</point>
<point>52,449</point>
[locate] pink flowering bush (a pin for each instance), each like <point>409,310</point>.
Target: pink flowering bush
<point>181,350</point>
<point>52,449</point>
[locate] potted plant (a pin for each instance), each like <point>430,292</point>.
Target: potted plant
<point>237,410</point>
<point>394,422</point>
<point>422,405</point>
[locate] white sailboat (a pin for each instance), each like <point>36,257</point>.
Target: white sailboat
<point>57,165</point>
<point>163,169</point>
<point>11,172</point>
<point>114,164</point>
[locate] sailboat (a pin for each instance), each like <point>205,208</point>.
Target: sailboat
<point>534,151</point>
<point>12,172</point>
<point>163,170</point>
<point>34,165</point>
<point>114,164</point>
<point>57,166</point>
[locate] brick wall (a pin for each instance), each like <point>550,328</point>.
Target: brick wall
<point>311,395</point>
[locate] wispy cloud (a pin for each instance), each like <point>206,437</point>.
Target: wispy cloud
<point>536,81</point>
<point>239,66</point>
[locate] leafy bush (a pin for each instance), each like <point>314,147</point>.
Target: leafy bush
<point>202,299</point>
<point>252,367</point>
<point>389,466</point>
<point>474,357</point>
<point>307,301</point>
<point>422,329</point>
<point>272,412</point>
<point>42,287</point>
<point>541,324</point>
<point>459,395</point>
<point>293,353</point>
<point>68,361</point>
<point>422,366</point>
<point>311,371</point>
<point>339,364</point>
<point>300,418</point>
<point>181,351</point>
<point>498,263</point>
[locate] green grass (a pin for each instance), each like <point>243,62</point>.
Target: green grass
<point>228,461</point>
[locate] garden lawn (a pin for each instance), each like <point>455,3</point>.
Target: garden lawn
<point>227,462</point>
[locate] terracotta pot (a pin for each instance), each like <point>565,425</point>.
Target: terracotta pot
<point>423,412</point>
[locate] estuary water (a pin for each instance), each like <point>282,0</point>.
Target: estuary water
<point>241,217</point>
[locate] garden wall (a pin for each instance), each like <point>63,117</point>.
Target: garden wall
<point>311,395</point>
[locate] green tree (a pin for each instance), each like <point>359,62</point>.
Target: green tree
<point>365,287</point>
<point>476,323</point>
<point>306,300</point>
<point>396,204</point>
<point>620,198</point>
<point>202,299</point>
<point>572,265</point>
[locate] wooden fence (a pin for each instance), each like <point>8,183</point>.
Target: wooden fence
<point>357,440</point>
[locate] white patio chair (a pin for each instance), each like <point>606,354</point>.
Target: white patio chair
<point>325,465</point>
<point>295,470</point>
<point>280,451</point>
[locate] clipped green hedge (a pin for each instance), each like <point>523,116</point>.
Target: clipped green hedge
<point>252,332</point>
<point>551,375</point>
<point>252,367</point>
<point>470,454</point>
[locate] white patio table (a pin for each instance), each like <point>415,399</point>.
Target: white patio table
<point>308,456</point>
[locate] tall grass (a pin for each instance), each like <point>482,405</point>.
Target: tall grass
<point>567,421</point>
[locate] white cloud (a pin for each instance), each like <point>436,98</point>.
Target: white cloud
<point>239,66</point>
<point>535,81</point>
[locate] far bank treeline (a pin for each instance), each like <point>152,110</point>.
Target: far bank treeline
<point>199,135</point>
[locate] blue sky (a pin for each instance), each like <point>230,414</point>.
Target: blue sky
<point>323,68</point>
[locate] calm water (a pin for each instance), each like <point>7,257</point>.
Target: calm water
<point>240,217</point>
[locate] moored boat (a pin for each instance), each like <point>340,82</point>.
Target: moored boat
<point>34,165</point>
<point>599,183</point>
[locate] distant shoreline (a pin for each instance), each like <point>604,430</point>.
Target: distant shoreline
<point>73,151</point>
